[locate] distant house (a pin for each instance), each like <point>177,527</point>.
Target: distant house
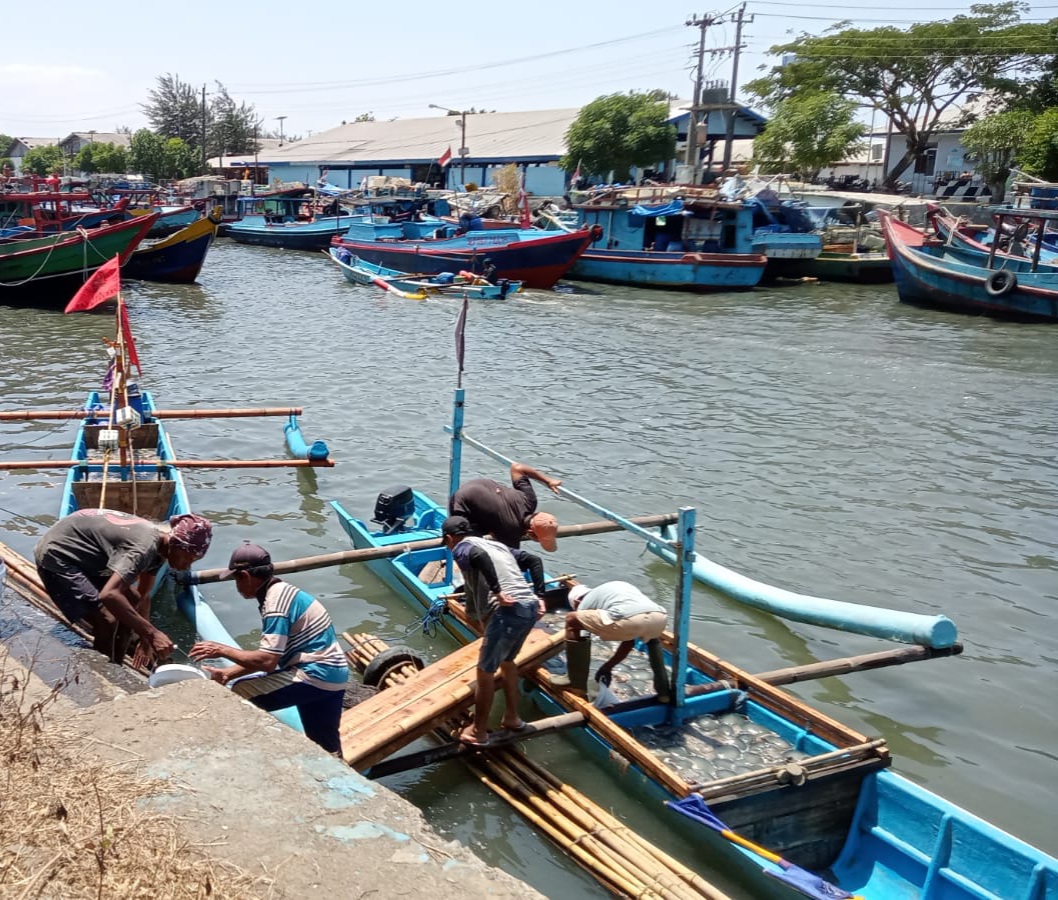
<point>74,142</point>
<point>20,146</point>
<point>414,148</point>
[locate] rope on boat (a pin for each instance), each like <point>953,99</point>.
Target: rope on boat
<point>430,623</point>
<point>51,250</point>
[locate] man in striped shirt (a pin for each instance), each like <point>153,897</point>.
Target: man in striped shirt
<point>299,660</point>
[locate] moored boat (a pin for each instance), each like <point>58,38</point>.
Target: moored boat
<point>176,259</point>
<point>291,223</point>
<point>48,270</point>
<point>359,271</point>
<point>928,272</point>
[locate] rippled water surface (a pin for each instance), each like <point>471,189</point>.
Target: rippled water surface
<point>833,440</point>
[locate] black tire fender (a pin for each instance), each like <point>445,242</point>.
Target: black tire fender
<point>389,660</point>
<point>1000,282</point>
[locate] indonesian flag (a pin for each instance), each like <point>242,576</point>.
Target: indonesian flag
<point>445,158</point>
<point>525,216</point>
<point>126,333</point>
<point>102,285</point>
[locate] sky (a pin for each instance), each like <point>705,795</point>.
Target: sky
<point>316,66</point>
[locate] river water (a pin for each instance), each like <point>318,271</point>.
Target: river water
<point>833,440</point>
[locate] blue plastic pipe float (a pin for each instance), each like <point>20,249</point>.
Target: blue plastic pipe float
<point>296,443</point>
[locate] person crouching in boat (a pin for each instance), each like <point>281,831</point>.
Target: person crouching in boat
<point>298,662</point>
<point>513,610</point>
<point>100,565</point>
<point>615,611</point>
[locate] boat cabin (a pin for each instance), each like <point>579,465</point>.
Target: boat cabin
<point>286,210</point>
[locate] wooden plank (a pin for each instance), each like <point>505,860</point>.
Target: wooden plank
<point>381,725</point>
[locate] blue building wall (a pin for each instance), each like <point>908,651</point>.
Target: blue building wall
<point>540,180</point>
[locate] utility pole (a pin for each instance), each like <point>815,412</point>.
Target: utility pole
<point>280,120</point>
<point>204,158</point>
<point>730,136</point>
<point>691,158</point>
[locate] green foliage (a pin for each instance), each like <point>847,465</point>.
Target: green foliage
<point>1039,154</point>
<point>159,157</point>
<point>5,143</point>
<point>231,126</point>
<point>618,131</point>
<point>914,75</point>
<point>807,132</point>
<point>43,161</point>
<point>174,109</point>
<point>364,117</point>
<point>100,158</point>
<point>995,141</point>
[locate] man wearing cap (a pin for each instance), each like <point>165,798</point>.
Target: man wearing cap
<point>299,657</point>
<point>100,565</point>
<point>509,514</point>
<point>514,609</point>
<point>619,611</point>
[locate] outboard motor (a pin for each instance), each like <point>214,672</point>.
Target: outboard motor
<point>394,507</point>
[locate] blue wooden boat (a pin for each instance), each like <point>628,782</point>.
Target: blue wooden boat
<point>536,258</point>
<point>650,237</point>
<point>929,272</point>
<point>974,242</point>
<point>419,287</point>
<point>178,258</point>
<point>293,223</point>
<point>838,810</point>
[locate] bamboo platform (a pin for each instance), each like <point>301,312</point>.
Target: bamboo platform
<point>383,724</point>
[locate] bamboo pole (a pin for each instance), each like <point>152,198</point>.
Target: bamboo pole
<point>305,563</point>
<point>27,415</point>
<point>177,463</point>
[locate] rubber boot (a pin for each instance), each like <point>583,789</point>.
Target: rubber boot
<point>578,664</point>
<point>662,683</point>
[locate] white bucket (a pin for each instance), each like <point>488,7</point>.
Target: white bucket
<point>172,673</point>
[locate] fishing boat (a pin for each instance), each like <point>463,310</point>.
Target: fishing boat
<point>927,271</point>
<point>47,211</point>
<point>829,804</point>
<point>123,459</point>
<point>48,270</point>
<point>684,238</point>
<point>419,287</point>
<point>536,258</point>
<point>176,259</point>
<point>976,241</point>
<point>290,222</point>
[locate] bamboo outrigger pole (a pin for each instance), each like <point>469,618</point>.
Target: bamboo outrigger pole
<point>25,415</point>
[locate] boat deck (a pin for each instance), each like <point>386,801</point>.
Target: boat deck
<point>383,724</point>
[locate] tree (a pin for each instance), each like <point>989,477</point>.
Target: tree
<point>996,140</point>
<point>809,131</point>
<point>160,157</point>
<point>916,75</point>
<point>1039,154</point>
<point>618,131</point>
<point>231,127</point>
<point>110,158</point>
<point>364,117</point>
<point>43,160</point>
<point>174,109</point>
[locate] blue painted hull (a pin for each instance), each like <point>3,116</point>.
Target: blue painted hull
<point>173,219</point>
<point>901,840</point>
<point>178,259</point>
<point>311,236</point>
<point>930,276</point>
<point>676,271</point>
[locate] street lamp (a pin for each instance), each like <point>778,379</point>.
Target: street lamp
<point>463,138</point>
<point>280,120</point>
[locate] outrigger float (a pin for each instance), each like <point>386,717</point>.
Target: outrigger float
<point>123,459</point>
<point>830,805</point>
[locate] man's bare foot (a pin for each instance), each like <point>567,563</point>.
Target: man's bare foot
<point>512,725</point>
<point>470,735</point>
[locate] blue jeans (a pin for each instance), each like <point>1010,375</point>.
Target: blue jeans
<point>320,711</point>
<point>506,631</point>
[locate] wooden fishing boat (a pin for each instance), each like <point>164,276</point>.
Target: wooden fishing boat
<point>683,239</point>
<point>928,272</point>
<point>359,271</point>
<point>292,223</point>
<point>975,242</point>
<point>178,258</point>
<point>831,806</point>
<point>48,270</point>
<point>536,258</point>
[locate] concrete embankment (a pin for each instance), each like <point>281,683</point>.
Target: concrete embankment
<point>255,793</point>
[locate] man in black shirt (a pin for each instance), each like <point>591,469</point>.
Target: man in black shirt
<point>509,514</point>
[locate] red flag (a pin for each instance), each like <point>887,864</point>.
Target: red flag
<point>130,344</point>
<point>103,284</point>
<point>461,328</point>
<point>445,158</point>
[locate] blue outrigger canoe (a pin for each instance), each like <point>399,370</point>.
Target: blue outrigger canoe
<point>839,811</point>
<point>360,271</point>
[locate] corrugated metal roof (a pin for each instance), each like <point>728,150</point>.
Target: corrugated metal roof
<point>535,135</point>
<point>117,138</point>
<point>33,142</point>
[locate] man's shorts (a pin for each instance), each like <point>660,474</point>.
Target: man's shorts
<point>506,631</point>
<point>644,627</point>
<point>72,591</point>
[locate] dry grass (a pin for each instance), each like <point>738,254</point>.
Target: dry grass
<point>508,181</point>
<point>71,827</point>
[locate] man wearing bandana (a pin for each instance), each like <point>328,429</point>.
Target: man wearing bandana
<point>100,566</point>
